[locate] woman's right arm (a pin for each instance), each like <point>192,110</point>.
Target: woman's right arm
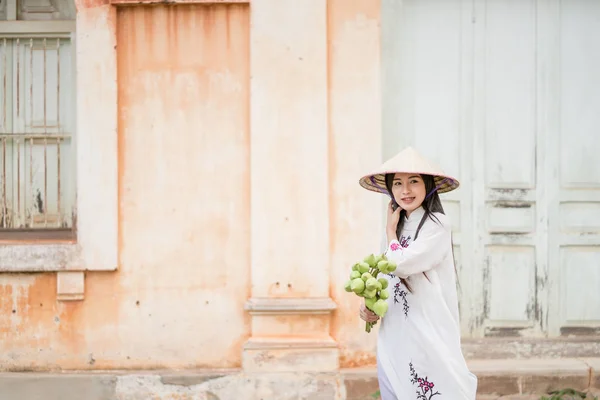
<point>430,248</point>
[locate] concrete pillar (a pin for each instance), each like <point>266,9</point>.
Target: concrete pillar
<point>290,303</point>
<point>96,138</point>
<point>355,134</point>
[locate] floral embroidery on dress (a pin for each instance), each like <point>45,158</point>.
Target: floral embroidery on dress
<point>399,292</point>
<point>402,243</point>
<point>425,388</point>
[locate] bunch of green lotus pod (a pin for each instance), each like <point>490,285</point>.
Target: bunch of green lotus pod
<point>364,283</point>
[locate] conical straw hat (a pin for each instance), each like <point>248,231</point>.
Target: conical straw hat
<point>408,161</point>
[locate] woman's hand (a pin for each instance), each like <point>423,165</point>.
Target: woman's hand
<point>366,314</point>
<point>392,220</point>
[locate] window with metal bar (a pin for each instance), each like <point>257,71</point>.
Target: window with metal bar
<point>37,109</point>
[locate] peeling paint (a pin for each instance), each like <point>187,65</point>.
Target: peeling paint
<point>503,332</point>
<point>591,331</point>
<point>512,204</point>
<point>26,318</point>
<point>356,359</point>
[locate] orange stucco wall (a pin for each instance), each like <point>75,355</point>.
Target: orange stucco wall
<point>184,98</point>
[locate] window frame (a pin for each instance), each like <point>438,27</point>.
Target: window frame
<point>12,29</point>
<point>92,243</point>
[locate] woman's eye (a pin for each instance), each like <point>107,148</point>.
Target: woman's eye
<point>413,181</point>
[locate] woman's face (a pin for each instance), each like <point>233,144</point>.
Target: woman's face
<point>409,191</point>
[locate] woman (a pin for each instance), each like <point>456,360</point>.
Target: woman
<point>419,352</point>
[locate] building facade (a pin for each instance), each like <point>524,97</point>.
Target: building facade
<point>180,181</point>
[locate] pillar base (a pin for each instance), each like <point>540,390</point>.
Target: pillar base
<point>290,335</point>
<point>290,355</point>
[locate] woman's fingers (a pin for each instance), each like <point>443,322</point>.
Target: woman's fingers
<point>370,318</point>
<point>367,315</point>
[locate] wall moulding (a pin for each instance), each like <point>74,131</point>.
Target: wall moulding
<point>266,305</point>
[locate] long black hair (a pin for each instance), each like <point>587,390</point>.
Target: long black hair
<point>432,204</point>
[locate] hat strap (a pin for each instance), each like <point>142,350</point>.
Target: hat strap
<point>435,189</point>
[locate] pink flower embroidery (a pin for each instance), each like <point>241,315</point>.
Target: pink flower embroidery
<point>425,391</point>
<point>394,246</point>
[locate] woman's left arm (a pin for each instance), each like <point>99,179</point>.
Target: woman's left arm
<point>430,248</point>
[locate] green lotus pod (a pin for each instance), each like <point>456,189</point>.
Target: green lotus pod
<point>355,267</point>
<point>363,267</point>
<point>370,259</point>
<point>357,285</point>
<point>380,307</point>
<point>370,294</point>
<point>347,285</point>
<point>354,275</point>
<point>371,284</point>
<point>391,267</point>
<point>384,282</point>
<point>366,276</point>
<point>369,303</point>
<point>384,294</point>
<point>379,286</point>
<point>381,265</point>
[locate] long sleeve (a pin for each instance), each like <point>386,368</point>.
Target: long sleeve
<point>430,248</point>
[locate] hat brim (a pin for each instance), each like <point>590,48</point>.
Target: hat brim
<point>376,182</point>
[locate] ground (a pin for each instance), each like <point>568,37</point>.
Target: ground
<point>498,379</point>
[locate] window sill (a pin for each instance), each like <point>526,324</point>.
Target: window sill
<point>36,236</point>
<point>39,257</point>
<point>51,256</point>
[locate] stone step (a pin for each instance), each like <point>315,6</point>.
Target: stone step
<point>504,378</point>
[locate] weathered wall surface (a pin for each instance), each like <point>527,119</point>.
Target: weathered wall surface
<point>241,138</point>
<point>184,148</point>
<point>183,126</point>
<point>354,147</point>
<point>177,298</point>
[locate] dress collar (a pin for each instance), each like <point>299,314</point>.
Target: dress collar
<point>415,216</point>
